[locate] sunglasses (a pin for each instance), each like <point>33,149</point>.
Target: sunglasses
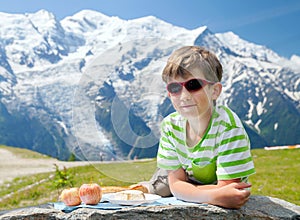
<point>192,85</point>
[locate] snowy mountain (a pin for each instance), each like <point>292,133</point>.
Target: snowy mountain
<point>90,84</point>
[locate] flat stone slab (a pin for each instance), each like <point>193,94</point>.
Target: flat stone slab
<point>258,207</point>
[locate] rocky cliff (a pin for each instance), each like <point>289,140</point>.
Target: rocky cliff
<point>258,207</point>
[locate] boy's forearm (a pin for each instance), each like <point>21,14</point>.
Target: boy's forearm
<point>189,192</point>
<point>232,195</point>
<point>184,190</point>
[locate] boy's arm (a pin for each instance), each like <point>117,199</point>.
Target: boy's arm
<point>228,194</point>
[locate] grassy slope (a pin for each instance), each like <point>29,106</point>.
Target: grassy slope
<point>24,153</point>
<point>277,176</point>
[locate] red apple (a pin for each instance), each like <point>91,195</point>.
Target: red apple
<point>90,194</point>
<point>70,196</point>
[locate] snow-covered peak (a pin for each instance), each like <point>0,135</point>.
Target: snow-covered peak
<point>21,39</point>
<point>14,25</point>
<point>89,14</point>
<point>151,21</point>
<point>42,15</point>
<point>151,26</point>
<point>7,17</point>
<point>294,62</point>
<point>247,49</point>
<point>43,21</point>
<point>200,30</point>
<point>85,21</point>
<point>295,59</point>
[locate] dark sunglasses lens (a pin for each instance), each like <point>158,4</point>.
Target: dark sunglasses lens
<point>193,85</point>
<point>174,88</point>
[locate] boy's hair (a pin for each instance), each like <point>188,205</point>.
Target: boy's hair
<point>188,59</point>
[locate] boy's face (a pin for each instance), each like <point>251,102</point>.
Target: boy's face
<point>195,103</point>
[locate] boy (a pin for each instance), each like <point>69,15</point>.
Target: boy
<point>204,149</point>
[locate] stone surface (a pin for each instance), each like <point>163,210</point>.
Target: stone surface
<point>258,207</point>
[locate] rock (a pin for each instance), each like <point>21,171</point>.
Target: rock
<point>258,207</point>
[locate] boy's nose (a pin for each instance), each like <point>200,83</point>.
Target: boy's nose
<point>185,94</point>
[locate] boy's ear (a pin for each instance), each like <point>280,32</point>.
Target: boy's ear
<point>217,89</point>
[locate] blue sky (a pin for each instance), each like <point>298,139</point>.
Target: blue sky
<point>273,23</point>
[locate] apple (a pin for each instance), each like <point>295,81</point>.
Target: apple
<point>70,196</point>
<point>90,194</point>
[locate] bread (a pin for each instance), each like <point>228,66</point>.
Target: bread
<point>139,187</point>
<point>112,189</point>
<point>129,195</point>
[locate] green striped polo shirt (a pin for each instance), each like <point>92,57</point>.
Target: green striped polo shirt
<point>225,143</point>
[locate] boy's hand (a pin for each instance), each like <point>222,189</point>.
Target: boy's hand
<point>233,195</point>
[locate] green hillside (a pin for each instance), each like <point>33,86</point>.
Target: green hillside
<point>24,153</point>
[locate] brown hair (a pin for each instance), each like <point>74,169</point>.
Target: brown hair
<point>185,60</point>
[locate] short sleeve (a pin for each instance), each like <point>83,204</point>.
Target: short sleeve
<point>234,156</point>
<point>167,157</point>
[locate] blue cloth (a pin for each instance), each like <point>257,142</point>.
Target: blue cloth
<point>105,205</point>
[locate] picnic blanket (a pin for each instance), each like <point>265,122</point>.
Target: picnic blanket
<point>106,205</point>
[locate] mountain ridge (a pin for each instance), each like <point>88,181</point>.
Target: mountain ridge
<point>51,70</point>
